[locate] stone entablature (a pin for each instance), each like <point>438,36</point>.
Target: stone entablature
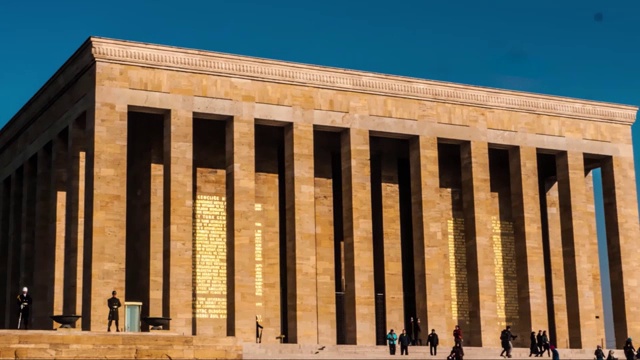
<point>173,58</point>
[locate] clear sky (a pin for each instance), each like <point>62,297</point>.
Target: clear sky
<point>579,48</point>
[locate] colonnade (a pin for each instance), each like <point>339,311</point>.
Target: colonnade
<point>66,225</point>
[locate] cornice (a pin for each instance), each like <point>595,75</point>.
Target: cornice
<point>166,57</point>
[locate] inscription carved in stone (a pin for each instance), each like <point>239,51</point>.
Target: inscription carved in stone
<point>210,257</point>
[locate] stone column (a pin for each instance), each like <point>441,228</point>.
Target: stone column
<point>561,332</point>
<point>392,241</point>
<point>525,203</point>
<point>621,217</point>
<point>478,229</point>
<point>156,241</point>
<point>74,228</point>
<point>590,224</point>
<point>178,215</point>
<point>358,246</point>
<point>105,206</point>
<point>575,244</point>
<point>431,250</point>
<point>15,234</point>
<point>301,251</point>
<point>325,252</point>
<point>57,213</point>
<point>28,225</point>
<point>241,198</point>
<point>5,210</point>
<point>44,254</point>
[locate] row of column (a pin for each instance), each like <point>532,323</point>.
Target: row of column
<point>65,209</point>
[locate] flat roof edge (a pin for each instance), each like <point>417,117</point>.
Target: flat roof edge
<point>208,62</point>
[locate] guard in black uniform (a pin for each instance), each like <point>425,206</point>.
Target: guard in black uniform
<point>24,308</point>
<point>114,303</point>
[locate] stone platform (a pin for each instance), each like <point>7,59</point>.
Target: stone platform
<point>157,345</point>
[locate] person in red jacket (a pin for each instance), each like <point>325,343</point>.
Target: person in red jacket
<point>457,335</point>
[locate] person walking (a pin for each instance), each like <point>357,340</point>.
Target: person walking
<point>404,342</point>
<point>533,346</point>
<point>599,353</point>
<point>24,302</point>
<point>114,304</point>
<point>505,341</point>
<point>391,339</point>
<point>432,341</point>
<point>258,331</point>
<point>555,355</point>
<point>629,350</point>
<point>545,344</point>
<point>539,342</point>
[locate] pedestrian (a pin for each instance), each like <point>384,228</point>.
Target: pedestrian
<point>258,331</point>
<point>505,341</point>
<point>392,338</point>
<point>545,344</point>
<point>410,331</point>
<point>457,335</point>
<point>533,347</point>
<point>599,353</point>
<point>432,341</point>
<point>416,333</point>
<point>554,352</point>
<point>539,342</point>
<point>457,353</point>
<point>629,350</point>
<point>610,356</point>
<point>24,302</point>
<point>404,342</point>
<point>114,304</point>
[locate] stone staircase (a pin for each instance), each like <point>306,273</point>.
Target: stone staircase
<point>293,351</point>
<point>42,344</point>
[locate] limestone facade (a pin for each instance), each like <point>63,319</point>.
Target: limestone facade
<point>330,205</point>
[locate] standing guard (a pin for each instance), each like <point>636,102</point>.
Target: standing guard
<point>114,303</point>
<point>24,307</point>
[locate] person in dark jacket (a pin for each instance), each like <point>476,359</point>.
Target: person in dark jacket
<point>599,353</point>
<point>545,344</point>
<point>24,302</point>
<point>392,338</point>
<point>416,333</point>
<point>629,350</point>
<point>539,341</point>
<point>554,352</point>
<point>404,342</point>
<point>114,304</point>
<point>505,340</point>
<point>533,346</point>
<point>457,353</point>
<point>432,341</point>
<point>610,356</point>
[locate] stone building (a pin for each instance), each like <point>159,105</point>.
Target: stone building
<point>332,204</point>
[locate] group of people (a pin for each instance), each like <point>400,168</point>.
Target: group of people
<point>24,304</point>
<point>432,341</point>
<point>405,339</point>
<point>539,344</point>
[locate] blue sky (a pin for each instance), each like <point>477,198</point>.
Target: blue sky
<point>551,47</point>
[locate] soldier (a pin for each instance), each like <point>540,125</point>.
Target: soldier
<point>24,306</point>
<point>114,303</point>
